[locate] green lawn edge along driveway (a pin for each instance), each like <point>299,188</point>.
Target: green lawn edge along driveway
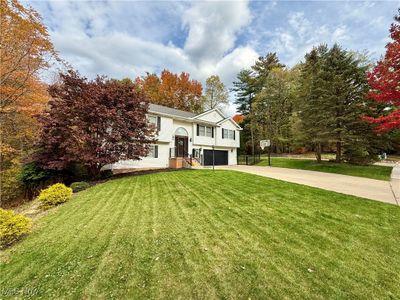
<point>369,171</point>
<point>204,234</point>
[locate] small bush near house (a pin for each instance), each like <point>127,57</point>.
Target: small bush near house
<point>79,186</point>
<point>12,227</point>
<point>56,194</point>
<point>106,174</point>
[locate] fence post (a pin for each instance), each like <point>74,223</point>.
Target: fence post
<point>247,160</point>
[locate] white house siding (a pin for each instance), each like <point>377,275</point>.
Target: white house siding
<point>146,162</point>
<point>164,135</point>
<point>202,140</point>
<point>212,116</point>
<point>225,142</point>
<point>166,140</point>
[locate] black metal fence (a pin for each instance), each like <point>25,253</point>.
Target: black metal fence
<point>248,159</point>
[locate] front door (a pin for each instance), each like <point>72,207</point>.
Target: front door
<point>181,146</point>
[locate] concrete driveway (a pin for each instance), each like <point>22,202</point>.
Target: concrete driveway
<point>357,186</point>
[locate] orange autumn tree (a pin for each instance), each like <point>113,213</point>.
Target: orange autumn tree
<point>173,90</point>
<point>25,50</point>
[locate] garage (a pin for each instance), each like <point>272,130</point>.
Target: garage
<point>220,157</point>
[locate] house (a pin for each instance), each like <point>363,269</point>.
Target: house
<point>187,139</point>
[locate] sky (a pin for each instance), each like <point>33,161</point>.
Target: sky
<point>122,39</point>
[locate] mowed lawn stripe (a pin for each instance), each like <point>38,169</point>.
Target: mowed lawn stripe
<point>368,171</point>
<point>196,246</point>
<point>240,241</point>
<point>52,231</point>
<point>204,234</point>
<point>126,201</point>
<point>90,241</point>
<point>312,224</point>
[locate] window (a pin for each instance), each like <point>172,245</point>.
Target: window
<point>209,131</point>
<point>202,130</point>
<point>153,151</point>
<point>205,131</point>
<point>181,131</point>
<point>156,121</point>
<point>196,153</point>
<point>228,134</point>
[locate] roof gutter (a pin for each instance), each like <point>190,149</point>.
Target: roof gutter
<point>190,120</point>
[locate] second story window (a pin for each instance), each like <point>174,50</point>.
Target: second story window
<point>228,134</point>
<point>156,121</point>
<point>209,131</point>
<point>205,131</point>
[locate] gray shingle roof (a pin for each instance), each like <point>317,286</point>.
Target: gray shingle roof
<point>170,111</point>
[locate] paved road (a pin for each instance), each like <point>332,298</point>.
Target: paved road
<point>358,186</point>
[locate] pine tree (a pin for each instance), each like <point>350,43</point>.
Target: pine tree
<point>334,90</point>
<point>312,111</point>
<point>250,83</point>
<point>262,68</point>
<point>244,90</point>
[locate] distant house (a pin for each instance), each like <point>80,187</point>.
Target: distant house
<point>185,138</point>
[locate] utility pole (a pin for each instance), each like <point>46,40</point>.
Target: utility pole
<point>213,157</point>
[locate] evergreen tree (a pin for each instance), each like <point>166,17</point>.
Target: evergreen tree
<point>334,88</point>
<point>262,68</point>
<point>244,90</point>
<point>249,84</point>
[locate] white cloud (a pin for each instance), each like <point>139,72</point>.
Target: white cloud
<point>212,29</point>
<point>128,39</point>
<point>294,41</point>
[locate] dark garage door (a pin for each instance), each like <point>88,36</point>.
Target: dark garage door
<point>220,157</point>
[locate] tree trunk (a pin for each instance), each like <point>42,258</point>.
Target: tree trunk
<point>318,152</point>
<point>94,171</point>
<point>338,151</point>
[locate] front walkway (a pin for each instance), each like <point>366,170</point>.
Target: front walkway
<point>379,190</point>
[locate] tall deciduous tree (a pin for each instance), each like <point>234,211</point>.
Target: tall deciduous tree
<point>273,106</point>
<point>384,81</point>
<point>216,94</point>
<point>26,50</point>
<point>173,90</point>
<point>249,84</point>
<point>94,123</point>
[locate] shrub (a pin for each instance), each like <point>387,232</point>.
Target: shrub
<point>12,227</point>
<point>79,186</point>
<point>10,168</point>
<point>34,179</point>
<point>56,194</point>
<point>11,188</point>
<point>105,174</point>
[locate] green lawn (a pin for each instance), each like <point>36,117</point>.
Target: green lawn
<point>374,172</point>
<point>199,234</point>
